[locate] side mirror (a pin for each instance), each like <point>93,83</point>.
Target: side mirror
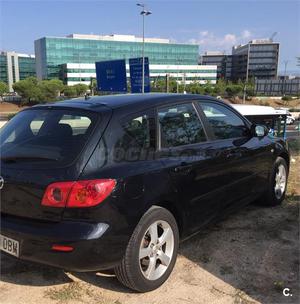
<point>260,131</point>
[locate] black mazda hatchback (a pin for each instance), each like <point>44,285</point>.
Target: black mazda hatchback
<point>115,182</point>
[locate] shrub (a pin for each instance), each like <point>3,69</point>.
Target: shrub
<point>234,90</point>
<point>264,103</point>
<point>10,116</point>
<point>286,98</point>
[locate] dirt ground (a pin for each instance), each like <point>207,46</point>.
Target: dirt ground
<point>8,107</point>
<point>249,257</point>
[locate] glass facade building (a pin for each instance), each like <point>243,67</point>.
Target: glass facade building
<point>54,53</point>
<point>15,67</point>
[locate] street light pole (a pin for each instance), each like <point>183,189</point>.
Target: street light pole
<point>143,55</point>
<point>144,13</point>
<point>285,76</point>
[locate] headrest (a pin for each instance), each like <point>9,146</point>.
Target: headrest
<point>173,118</point>
<point>63,130</point>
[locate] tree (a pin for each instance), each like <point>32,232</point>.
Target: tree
<point>80,89</point>
<point>28,89</point>
<point>208,89</point>
<point>51,89</point>
<point>250,87</point>
<point>3,89</point>
<point>220,87</point>
<point>93,86</point>
<point>70,91</point>
<point>158,85</point>
<point>172,85</point>
<point>234,90</point>
<point>194,88</point>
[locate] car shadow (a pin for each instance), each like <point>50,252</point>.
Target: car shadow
<point>255,250</point>
<point>20,272</point>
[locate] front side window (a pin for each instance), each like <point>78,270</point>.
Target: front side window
<point>225,123</point>
<point>180,125</point>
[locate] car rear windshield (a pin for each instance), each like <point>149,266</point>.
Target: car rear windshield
<point>46,135</point>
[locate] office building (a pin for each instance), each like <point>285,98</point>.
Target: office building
<point>15,67</point>
<point>73,58</point>
<point>221,60</point>
<point>257,59</point>
<point>215,58</point>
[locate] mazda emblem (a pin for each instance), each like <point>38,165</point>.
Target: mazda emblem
<point>1,182</point>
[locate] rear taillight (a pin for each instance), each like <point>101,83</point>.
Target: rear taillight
<point>86,193</point>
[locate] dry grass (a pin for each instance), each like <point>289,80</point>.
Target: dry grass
<point>294,176</point>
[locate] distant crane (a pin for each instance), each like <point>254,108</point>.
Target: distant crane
<point>273,35</point>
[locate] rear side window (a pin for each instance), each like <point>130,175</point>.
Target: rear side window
<point>225,123</point>
<point>46,135</point>
<point>137,132</point>
<point>135,141</point>
<point>180,125</point>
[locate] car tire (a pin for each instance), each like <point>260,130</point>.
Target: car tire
<point>277,185</point>
<point>150,256</point>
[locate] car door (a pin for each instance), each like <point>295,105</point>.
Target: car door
<point>193,162</point>
<point>245,158</point>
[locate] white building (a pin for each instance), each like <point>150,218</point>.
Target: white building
<point>74,73</point>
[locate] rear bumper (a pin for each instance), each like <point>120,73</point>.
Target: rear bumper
<point>96,245</point>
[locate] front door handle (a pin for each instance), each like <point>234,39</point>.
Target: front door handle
<point>233,154</point>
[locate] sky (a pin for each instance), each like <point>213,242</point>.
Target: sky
<point>214,25</point>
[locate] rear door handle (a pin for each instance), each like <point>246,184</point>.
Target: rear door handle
<point>183,167</point>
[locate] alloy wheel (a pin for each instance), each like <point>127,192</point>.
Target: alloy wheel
<point>156,250</point>
<point>280,181</point>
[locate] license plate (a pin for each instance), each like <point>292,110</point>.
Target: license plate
<point>9,245</point>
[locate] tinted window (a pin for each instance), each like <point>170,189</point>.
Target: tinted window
<point>225,123</point>
<point>134,141</point>
<point>180,125</point>
<point>44,135</point>
<point>136,132</point>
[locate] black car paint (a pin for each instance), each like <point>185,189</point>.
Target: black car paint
<point>197,183</point>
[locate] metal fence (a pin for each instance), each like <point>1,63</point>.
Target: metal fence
<point>277,87</point>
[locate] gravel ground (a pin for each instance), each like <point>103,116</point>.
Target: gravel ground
<point>249,257</point>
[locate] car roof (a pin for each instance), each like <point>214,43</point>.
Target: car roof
<point>121,100</point>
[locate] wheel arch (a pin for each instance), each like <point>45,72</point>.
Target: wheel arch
<point>178,214</point>
<point>286,157</point>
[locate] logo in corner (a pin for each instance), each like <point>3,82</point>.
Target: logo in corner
<point>1,182</point>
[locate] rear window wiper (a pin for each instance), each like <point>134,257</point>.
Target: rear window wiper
<point>13,159</point>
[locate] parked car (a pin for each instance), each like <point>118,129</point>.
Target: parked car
<point>117,181</point>
<point>274,119</point>
<point>289,118</point>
